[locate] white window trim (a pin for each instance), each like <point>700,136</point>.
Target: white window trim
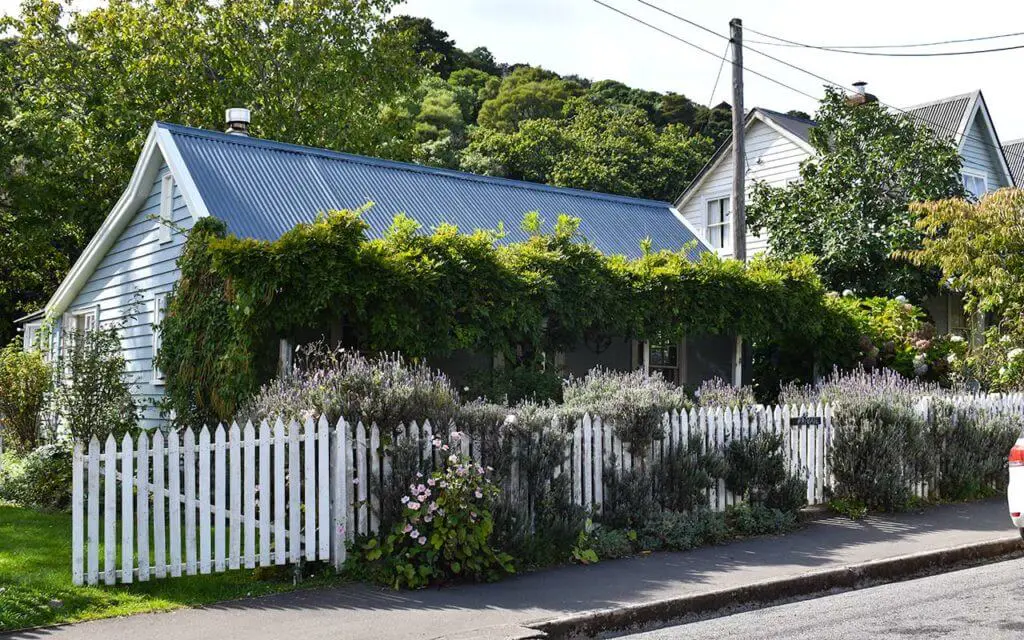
<point>85,312</point>
<point>706,226</point>
<point>159,305</point>
<point>974,173</point>
<point>164,229</point>
<point>32,330</point>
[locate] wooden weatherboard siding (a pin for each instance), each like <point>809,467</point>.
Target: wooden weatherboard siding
<point>137,268</point>
<point>980,156</point>
<point>771,157</point>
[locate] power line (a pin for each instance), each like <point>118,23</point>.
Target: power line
<point>782,42</point>
<point>718,77</point>
<point>887,54</point>
<point>698,47</point>
<point>827,81</point>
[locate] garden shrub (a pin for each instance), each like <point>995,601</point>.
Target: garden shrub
<point>971,447</point>
<point>684,476</point>
<point>676,531</point>
<point>756,470</point>
<point>634,402</point>
<point>386,390</point>
<point>629,498</point>
<point>513,384</point>
<point>752,519</point>
<point>878,450</point>
<point>94,396</point>
<point>719,393</point>
<point>445,533</point>
<point>610,544</point>
<point>25,381</point>
<point>40,480</point>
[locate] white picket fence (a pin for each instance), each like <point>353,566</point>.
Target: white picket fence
<point>166,505</point>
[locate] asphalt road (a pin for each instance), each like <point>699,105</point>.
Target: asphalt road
<point>981,603</point>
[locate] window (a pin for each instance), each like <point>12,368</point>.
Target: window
<point>159,314</point>
<point>664,360</point>
<point>719,232</point>
<point>76,323</point>
<point>83,321</point>
<point>166,209</point>
<point>31,337</point>
<point>975,184</point>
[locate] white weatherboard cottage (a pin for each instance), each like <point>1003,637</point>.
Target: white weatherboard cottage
<point>261,188</point>
<point>777,143</point>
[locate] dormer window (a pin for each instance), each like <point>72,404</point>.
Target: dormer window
<point>719,228</point>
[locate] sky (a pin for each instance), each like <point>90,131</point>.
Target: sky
<point>584,38</point>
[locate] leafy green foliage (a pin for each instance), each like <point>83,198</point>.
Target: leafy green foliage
<point>445,533</point>
<point>41,480</point>
<point>428,295</point>
<point>683,477</point>
<point>756,470</point>
<point>851,207</point>
<point>25,381</point>
<point>94,394</point>
<point>971,446</point>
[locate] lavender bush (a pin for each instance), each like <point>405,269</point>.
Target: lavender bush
<point>385,390</point>
<point>719,393</point>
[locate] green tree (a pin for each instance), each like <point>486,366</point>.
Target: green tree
<point>851,207</point>
<point>611,149</point>
<point>81,89</point>
<point>528,93</point>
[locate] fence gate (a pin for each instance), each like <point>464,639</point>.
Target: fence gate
<point>174,504</point>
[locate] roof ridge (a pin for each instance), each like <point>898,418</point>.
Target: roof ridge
<point>932,103</point>
<point>1014,141</point>
<point>288,147</point>
<point>782,114</point>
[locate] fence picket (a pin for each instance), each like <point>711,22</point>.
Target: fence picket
<point>350,487</point>
<point>220,498</point>
<point>323,488</point>
<point>174,504</point>
<point>110,511</point>
<point>235,492</point>
<point>142,510</point>
<point>340,484</point>
<point>599,442</point>
<point>309,480</point>
<point>127,498</point>
<point>205,522</point>
<point>577,484</point>
<point>159,498</point>
<point>587,469</point>
<point>93,527</point>
<point>249,499</point>
<point>280,543</point>
<point>77,495</point>
<point>361,485</point>
<point>375,477</point>
<point>190,502</point>
<point>264,495</point>
<point>294,493</point>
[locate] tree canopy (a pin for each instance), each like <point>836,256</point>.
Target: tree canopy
<point>851,206</point>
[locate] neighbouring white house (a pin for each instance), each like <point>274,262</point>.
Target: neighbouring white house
<point>261,188</point>
<point>777,144</point>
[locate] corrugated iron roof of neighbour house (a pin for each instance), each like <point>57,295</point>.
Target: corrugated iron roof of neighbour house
<point>1014,153</point>
<point>945,117</point>
<point>800,127</point>
<point>262,188</point>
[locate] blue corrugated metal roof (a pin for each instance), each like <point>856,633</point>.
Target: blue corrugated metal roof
<point>261,188</point>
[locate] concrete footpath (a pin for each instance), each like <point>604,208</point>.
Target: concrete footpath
<point>513,608</point>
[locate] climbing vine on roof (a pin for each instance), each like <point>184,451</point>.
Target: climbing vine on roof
<point>429,294</point>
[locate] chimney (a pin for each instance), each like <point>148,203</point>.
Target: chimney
<point>237,120</point>
<point>860,94</point>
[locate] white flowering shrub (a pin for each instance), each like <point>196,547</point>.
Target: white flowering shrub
<point>445,532</point>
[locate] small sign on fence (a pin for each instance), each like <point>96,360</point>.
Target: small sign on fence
<point>805,421</point>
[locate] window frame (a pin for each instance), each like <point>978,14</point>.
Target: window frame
<point>164,230</point>
<point>977,175</point>
<point>31,333</point>
<point>159,315</point>
<point>725,226</point>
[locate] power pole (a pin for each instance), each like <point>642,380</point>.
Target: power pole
<point>739,173</point>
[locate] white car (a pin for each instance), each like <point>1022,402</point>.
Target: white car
<point>1015,490</point>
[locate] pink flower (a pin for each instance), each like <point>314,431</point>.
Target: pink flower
<point>414,534</point>
<point>423,539</point>
<point>407,528</point>
<point>437,442</point>
<point>405,499</point>
<point>428,518</point>
<point>431,482</point>
<point>453,458</point>
<point>444,484</point>
<point>433,507</point>
<point>444,447</point>
<point>413,505</point>
<point>479,493</point>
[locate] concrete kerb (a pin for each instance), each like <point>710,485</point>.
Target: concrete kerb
<point>648,614</point>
